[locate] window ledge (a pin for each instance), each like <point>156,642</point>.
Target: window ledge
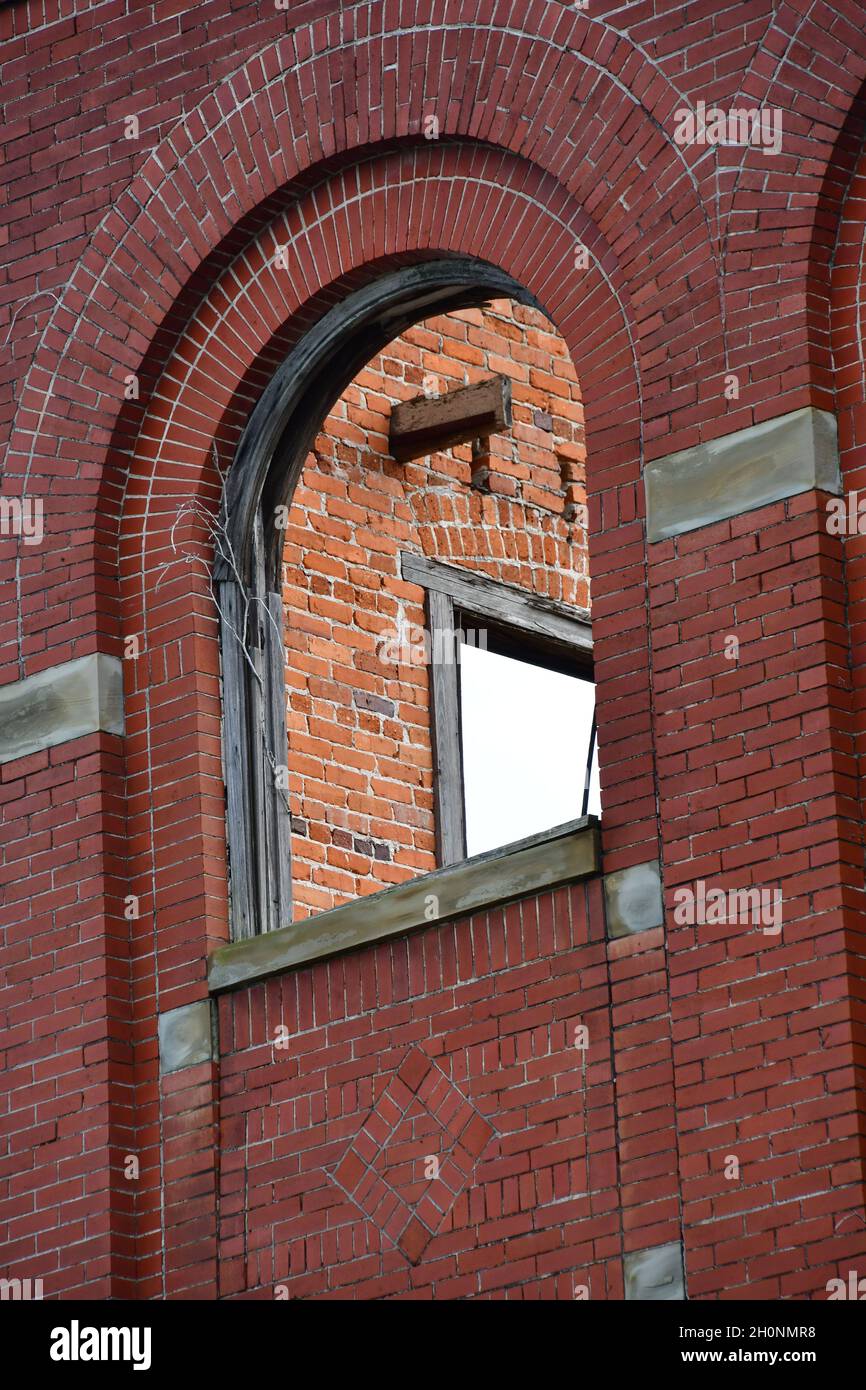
<point>563,855</point>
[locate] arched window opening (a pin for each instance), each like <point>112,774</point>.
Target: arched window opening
<point>414,579</point>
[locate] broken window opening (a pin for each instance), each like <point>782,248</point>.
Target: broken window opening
<point>267,826</point>
<point>513,716</point>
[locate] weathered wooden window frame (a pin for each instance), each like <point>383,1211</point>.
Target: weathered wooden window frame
<point>247,573</point>
<point>454,600</point>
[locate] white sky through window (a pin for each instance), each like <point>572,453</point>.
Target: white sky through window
<point>525,733</point>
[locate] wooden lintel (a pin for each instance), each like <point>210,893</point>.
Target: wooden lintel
<point>427,424</point>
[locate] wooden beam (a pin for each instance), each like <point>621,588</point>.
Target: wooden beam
<point>505,604</point>
<point>445,720</point>
<point>566,854</point>
<point>427,424</point>
<point>236,761</point>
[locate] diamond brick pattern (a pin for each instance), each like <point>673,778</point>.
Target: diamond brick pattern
<point>421,1114</point>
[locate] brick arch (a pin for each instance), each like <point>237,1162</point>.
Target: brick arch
<point>837,254</point>
<point>810,65</point>
<point>598,121</point>
<point>233,338</point>
<point>342,234</point>
<point>848,313</point>
<point>848,350</point>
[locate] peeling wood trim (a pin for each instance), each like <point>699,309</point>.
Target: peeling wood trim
<point>445,728</point>
<point>506,604</point>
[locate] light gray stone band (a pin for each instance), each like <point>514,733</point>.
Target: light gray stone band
<point>185,1037</point>
<point>742,471</point>
<point>64,702</point>
<point>564,855</point>
<point>633,899</point>
<point>655,1275</point>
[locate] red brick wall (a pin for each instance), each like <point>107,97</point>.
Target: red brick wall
<point>756,777</point>
<point>360,760</point>
<point>66,1050</point>
<point>154,256</point>
<point>324,1188</point>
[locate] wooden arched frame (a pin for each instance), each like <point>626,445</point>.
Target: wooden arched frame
<point>247,574</point>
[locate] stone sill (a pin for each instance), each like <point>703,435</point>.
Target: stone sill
<point>563,855</point>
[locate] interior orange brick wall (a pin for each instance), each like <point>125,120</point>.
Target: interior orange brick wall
<point>360,759</point>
